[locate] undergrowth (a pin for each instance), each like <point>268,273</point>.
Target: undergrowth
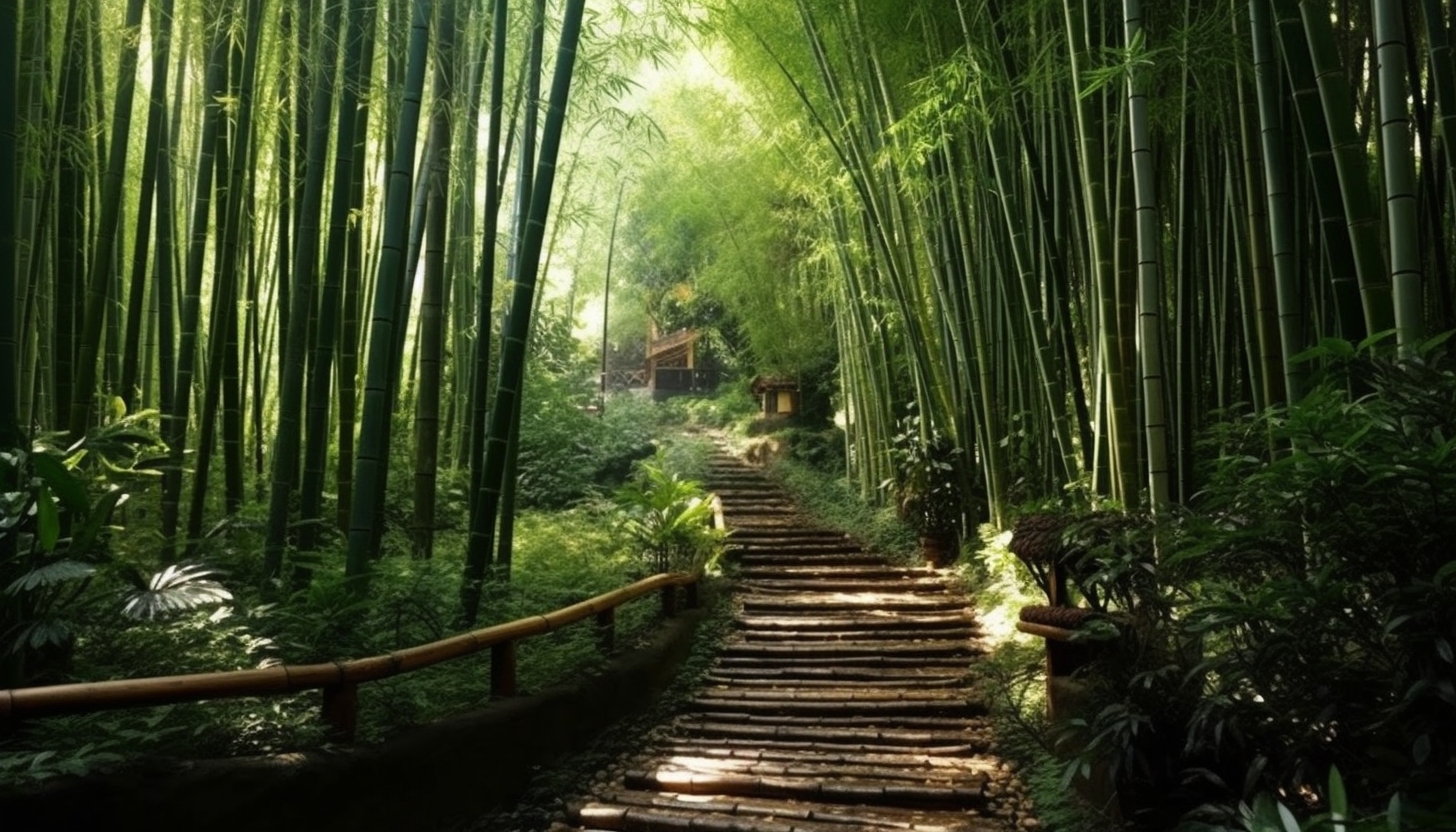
<point>560,558</point>
<point>833,500</point>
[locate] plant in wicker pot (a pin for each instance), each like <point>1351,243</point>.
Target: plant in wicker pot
<point>927,490</point>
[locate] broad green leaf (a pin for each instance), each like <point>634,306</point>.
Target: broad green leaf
<point>177,588</point>
<point>1373,340</point>
<point>1445,573</point>
<point>1435,341</point>
<point>1339,804</point>
<point>64,482</point>
<point>48,520</point>
<point>1421,749</point>
<point>50,574</point>
<point>82,542</point>
<point>1287,819</point>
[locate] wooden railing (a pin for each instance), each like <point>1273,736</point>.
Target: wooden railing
<point>340,681</point>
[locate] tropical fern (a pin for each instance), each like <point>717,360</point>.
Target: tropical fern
<point>670,518</point>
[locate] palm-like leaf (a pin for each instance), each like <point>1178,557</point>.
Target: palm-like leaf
<point>52,573</point>
<point>177,588</point>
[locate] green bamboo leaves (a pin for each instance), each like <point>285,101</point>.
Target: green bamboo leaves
<point>1074,281</point>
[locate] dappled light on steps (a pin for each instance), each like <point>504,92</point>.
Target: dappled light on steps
<point>839,702</point>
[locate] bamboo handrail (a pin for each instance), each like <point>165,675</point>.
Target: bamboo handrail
<point>339,680</point>
<point>1046,631</point>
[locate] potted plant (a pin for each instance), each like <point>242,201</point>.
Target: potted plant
<point>927,490</point>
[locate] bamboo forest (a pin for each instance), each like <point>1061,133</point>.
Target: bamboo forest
<point>1081,363</point>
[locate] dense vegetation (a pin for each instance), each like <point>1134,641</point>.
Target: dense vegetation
<point>301,293</point>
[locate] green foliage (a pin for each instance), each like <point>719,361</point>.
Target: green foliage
<point>1301,617</point>
<point>820,449</point>
<point>670,519</point>
<point>1011,682</point>
<point>835,501</point>
<point>712,238</point>
<point>61,571</point>
<point>1268,813</point>
<point>732,405</point>
<point>925,485</point>
<point>1334,596</point>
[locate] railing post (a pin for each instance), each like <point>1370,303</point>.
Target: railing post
<point>341,710</point>
<point>691,590</point>
<point>669,601</point>
<point>503,670</point>
<point>607,629</point>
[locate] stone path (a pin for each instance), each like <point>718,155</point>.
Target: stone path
<point>838,703</point>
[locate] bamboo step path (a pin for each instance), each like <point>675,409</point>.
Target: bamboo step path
<point>839,703</point>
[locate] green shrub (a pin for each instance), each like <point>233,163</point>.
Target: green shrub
<point>836,502</point>
<point>1301,616</point>
<point>821,449</point>
<point>1327,611</point>
<point>58,571</point>
<point>733,404</point>
<point>669,519</point>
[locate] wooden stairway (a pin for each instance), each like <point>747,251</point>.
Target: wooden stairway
<point>837,704</point>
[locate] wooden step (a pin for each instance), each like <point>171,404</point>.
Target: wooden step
<point>845,622</point>
<point>813,735</point>
<point>822,770</point>
<point>913,760</point>
<point>839,790</point>
<point>820,603</point>
<point>796,707</point>
<point>841,696</point>
<point>659,812</point>
<point>786,585</point>
<point>791,533</point>
<point>845,661</point>
<point>832,679</point>
<point>774,636</point>
<point>938,648</point>
<point>833,572</point>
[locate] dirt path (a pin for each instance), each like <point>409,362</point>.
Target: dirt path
<point>839,702</point>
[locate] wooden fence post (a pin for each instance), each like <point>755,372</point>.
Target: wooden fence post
<point>607,629</point>
<point>669,601</point>
<point>341,711</point>
<point>692,594</point>
<point>503,670</point>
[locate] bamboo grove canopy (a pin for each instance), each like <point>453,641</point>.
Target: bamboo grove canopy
<point>1074,231</point>
<point>1070,232</point>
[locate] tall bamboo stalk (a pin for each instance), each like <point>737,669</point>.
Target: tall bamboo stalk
<point>176,421</point>
<point>1398,157</point>
<point>372,462</point>
<point>10,435</point>
<point>431,341</point>
<point>513,342</point>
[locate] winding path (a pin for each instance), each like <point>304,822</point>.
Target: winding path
<point>838,703</point>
